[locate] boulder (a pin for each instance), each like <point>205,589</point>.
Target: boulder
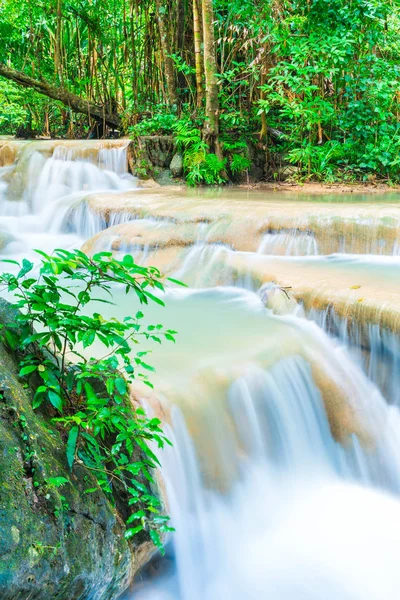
<point>55,542</point>
<point>287,172</point>
<point>176,166</point>
<point>146,154</point>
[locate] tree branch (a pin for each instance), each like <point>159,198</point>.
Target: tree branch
<point>74,102</point>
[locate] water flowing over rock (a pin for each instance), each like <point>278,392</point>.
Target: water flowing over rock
<point>9,150</point>
<point>281,393</point>
<point>250,223</point>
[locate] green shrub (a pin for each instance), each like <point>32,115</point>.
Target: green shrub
<point>161,123</point>
<point>90,396</point>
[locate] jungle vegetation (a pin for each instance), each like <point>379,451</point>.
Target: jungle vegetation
<point>315,83</point>
<point>79,365</point>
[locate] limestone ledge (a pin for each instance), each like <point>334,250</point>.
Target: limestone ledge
<point>230,216</point>
<point>169,222</point>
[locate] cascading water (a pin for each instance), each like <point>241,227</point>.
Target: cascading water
<point>283,481</point>
<point>41,195</point>
<point>288,243</point>
<point>376,349</point>
<point>291,502</point>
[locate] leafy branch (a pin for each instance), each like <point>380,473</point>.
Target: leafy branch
<point>89,396</point>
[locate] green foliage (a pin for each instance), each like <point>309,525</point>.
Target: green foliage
<point>42,549</point>
<point>239,163</point>
<point>333,93</point>
<point>55,334</point>
<point>325,75</point>
<point>204,168</point>
<point>320,161</point>
<point>188,135</point>
<point>161,123</point>
<point>12,114</point>
<point>199,164</point>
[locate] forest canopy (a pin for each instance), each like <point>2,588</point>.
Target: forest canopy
<point>316,82</point>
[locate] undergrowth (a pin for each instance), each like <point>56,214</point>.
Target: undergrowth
<point>80,365</point>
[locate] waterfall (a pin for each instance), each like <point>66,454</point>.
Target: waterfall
<point>288,243</point>
<point>42,194</point>
<point>283,480</point>
<point>295,488</point>
<point>376,349</point>
<point>255,481</point>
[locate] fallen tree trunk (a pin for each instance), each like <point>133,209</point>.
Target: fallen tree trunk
<point>74,102</point>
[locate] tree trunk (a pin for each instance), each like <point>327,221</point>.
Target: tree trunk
<point>264,125</point>
<point>169,68</point>
<point>197,53</point>
<point>58,44</point>
<point>211,129</point>
<point>75,103</point>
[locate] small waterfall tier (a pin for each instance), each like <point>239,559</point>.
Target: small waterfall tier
<point>47,182</point>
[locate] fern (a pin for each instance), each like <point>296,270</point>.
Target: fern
<point>186,134</point>
<point>204,168</point>
<point>239,163</point>
<point>231,144</point>
<point>200,166</point>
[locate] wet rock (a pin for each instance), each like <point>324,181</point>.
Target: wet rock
<point>146,154</point>
<point>287,172</point>
<point>176,166</point>
<point>148,184</point>
<point>5,239</point>
<point>278,299</point>
<point>164,177</point>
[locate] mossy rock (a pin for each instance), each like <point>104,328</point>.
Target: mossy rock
<point>58,543</point>
<point>149,153</point>
<point>176,165</point>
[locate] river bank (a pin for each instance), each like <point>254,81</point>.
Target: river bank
<point>317,187</point>
<point>150,159</point>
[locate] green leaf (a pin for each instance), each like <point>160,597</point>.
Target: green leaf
<point>55,400</point>
<point>57,481</point>
<point>11,338</point>
<point>37,401</point>
<point>154,298</point>
<point>110,384</point>
<point>28,369</point>
<point>88,338</point>
<point>26,267</point>
<point>120,384</point>
<point>71,445</point>
<point>137,515</point>
<point>129,533</point>
<point>156,539</point>
<point>91,490</point>
<point>128,261</point>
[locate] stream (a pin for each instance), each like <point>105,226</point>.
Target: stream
<point>282,393</point>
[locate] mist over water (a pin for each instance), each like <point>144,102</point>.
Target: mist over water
<point>283,480</point>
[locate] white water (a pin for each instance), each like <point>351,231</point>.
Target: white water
<point>290,244</point>
<point>266,503</point>
<point>42,206</point>
<point>381,362</point>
